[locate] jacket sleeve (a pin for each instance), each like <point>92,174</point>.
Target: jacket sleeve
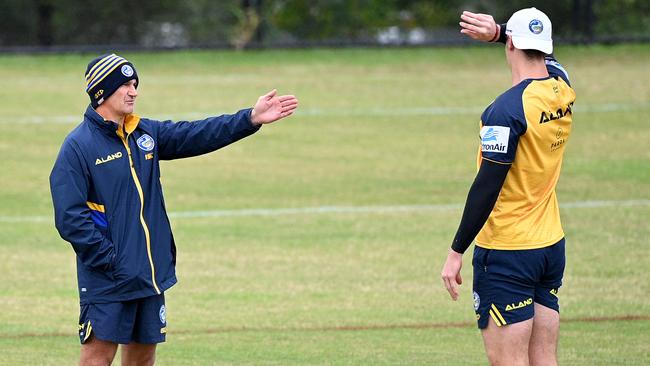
<point>184,139</point>
<point>69,184</point>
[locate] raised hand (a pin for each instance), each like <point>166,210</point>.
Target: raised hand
<point>481,27</point>
<point>270,107</point>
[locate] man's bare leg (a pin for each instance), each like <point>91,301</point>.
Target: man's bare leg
<point>138,354</point>
<point>508,344</point>
<point>96,352</point>
<point>542,349</point>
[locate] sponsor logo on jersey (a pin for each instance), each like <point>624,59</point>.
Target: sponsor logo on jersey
<point>560,140</point>
<point>521,304</point>
<point>146,143</point>
<point>495,139</point>
<point>109,157</point>
<point>551,116</point>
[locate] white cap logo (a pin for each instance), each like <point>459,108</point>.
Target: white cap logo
<point>536,26</point>
<point>127,71</point>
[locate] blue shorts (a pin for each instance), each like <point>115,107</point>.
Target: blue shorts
<point>507,283</point>
<point>140,320</point>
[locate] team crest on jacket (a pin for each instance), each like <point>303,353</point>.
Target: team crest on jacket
<point>146,143</point>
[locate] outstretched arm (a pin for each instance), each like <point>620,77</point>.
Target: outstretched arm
<point>185,139</point>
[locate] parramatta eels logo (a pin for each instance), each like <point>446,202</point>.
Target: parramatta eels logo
<point>162,314</point>
<point>477,301</point>
<point>536,26</point>
<point>146,143</point>
<point>127,71</point>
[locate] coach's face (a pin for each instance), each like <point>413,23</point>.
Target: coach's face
<point>122,102</point>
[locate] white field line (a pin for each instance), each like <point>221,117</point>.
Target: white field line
<point>314,112</point>
<point>337,210</point>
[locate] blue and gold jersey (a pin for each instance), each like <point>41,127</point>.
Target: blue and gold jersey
<point>528,127</point>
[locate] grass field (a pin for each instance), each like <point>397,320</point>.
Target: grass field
<point>376,165</point>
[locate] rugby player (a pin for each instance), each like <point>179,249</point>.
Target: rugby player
<point>512,209</point>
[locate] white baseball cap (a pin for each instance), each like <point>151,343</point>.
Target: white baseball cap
<point>530,29</point>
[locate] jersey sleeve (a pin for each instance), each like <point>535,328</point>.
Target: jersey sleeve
<point>502,124</point>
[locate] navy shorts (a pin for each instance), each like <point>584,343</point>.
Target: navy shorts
<point>140,320</point>
<point>507,283</point>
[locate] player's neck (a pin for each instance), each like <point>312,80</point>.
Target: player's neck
<point>523,69</point>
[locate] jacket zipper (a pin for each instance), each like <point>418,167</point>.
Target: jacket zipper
<point>141,194</point>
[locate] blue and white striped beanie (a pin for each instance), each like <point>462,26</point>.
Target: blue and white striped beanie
<point>105,74</point>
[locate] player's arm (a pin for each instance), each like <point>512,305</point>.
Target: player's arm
<point>481,198</point>
<point>69,185</point>
<point>185,139</point>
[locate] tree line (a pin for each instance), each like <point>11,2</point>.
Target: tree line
<point>243,23</point>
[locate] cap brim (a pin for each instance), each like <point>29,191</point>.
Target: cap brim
<point>524,43</point>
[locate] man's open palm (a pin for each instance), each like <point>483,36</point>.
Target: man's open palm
<point>270,107</point>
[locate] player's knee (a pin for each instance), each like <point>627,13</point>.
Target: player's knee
<point>95,360</point>
<point>144,361</point>
<point>138,358</point>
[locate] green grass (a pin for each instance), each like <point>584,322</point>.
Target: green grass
<point>274,289</point>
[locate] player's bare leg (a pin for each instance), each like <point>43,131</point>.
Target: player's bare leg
<point>508,344</point>
<point>96,352</point>
<point>542,349</point>
<point>138,354</point>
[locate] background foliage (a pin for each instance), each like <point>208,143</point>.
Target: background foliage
<point>167,23</point>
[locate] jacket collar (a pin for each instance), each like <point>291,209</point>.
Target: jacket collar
<point>109,127</point>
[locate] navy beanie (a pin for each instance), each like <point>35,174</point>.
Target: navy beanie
<point>105,74</point>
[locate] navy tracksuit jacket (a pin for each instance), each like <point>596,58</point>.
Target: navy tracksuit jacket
<point>108,202</point>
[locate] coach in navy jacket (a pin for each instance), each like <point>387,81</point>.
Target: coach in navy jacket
<point>105,184</point>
